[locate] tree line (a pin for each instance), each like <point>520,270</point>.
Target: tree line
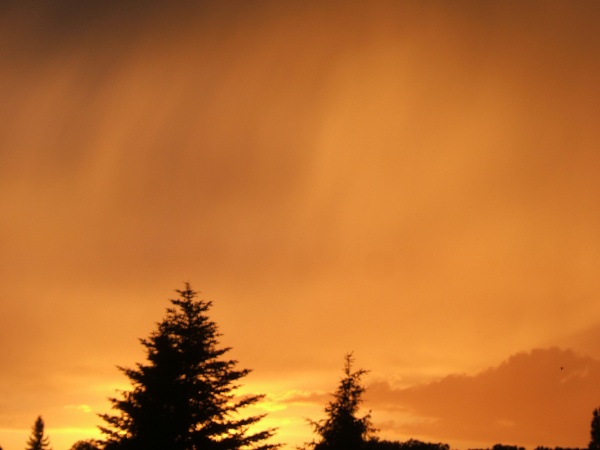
<point>183,397</point>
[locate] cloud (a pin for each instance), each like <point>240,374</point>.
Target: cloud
<point>584,340</point>
<point>306,397</point>
<point>544,397</point>
<point>84,408</point>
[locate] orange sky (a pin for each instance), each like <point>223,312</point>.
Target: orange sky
<point>414,181</point>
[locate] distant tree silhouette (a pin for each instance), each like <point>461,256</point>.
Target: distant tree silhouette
<point>541,447</point>
<point>411,444</point>
<point>37,440</point>
<point>595,431</point>
<point>342,429</point>
<point>89,444</point>
<point>507,447</point>
<point>184,398</point>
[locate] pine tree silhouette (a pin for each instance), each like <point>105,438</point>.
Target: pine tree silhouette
<point>37,440</point>
<point>184,397</point>
<point>342,429</point>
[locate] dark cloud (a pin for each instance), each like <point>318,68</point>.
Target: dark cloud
<point>544,397</point>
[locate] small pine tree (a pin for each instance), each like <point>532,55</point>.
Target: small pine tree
<point>342,429</point>
<point>37,440</point>
<point>595,431</point>
<point>184,397</point>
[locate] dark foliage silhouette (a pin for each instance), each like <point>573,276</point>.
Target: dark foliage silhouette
<point>507,447</point>
<point>342,429</point>
<point>184,397</point>
<point>558,448</point>
<point>37,440</point>
<point>595,431</point>
<point>89,444</point>
<point>411,444</point>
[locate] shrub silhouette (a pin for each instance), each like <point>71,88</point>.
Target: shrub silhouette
<point>411,444</point>
<point>89,444</point>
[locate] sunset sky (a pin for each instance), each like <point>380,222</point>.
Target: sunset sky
<point>414,181</point>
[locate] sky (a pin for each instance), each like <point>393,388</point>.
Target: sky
<point>415,182</point>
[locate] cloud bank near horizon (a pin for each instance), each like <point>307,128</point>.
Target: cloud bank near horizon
<point>542,397</point>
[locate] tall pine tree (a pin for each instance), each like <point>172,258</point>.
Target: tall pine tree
<point>37,440</point>
<point>342,429</point>
<point>184,397</point>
